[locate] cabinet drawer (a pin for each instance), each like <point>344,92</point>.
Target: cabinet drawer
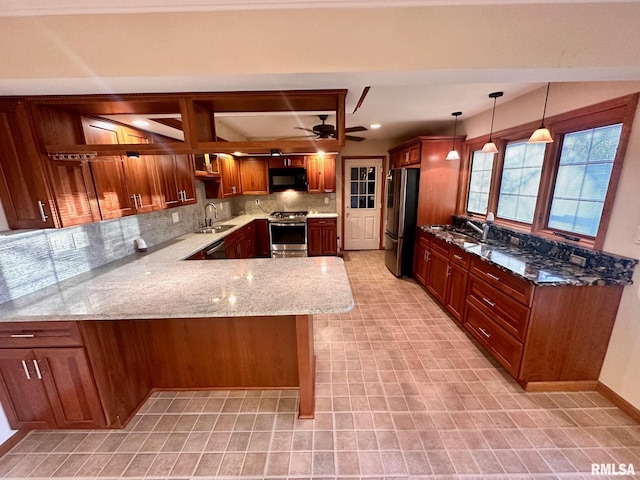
<point>506,349</point>
<point>516,288</point>
<point>440,246</point>
<point>39,334</point>
<point>322,222</point>
<point>460,257</point>
<point>508,313</point>
<point>413,155</point>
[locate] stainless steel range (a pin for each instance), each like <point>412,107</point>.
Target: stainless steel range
<point>288,234</point>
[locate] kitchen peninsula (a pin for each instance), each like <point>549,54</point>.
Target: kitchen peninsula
<point>88,351</point>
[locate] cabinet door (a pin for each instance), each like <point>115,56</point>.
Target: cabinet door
<point>421,260</point>
<point>314,240</point>
<point>314,173</point>
<point>184,178</point>
<point>70,387</point>
<point>287,161</point>
<point>167,179</point>
<point>254,176</point>
<point>111,188</point>
<point>76,201</point>
<point>438,275</point>
<point>24,395</point>
<point>229,181</point>
<point>456,290</point>
<point>329,173</point>
<point>263,247</point>
<point>330,240</point>
<point>249,241</point>
<point>141,182</point>
<point>23,188</point>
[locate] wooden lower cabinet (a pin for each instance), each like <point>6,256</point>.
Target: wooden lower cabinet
<point>49,388</point>
<point>263,245</point>
<point>546,337</point>
<point>322,236</point>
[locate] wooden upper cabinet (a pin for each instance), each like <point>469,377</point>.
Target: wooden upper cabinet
<point>140,176</point>
<point>23,187</point>
<point>254,176</point>
<point>37,191</point>
<point>229,176</point>
<point>321,173</point>
<point>288,161</point>
<point>110,182</point>
<point>438,176</point>
<point>175,173</point>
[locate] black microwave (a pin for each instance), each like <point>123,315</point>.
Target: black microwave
<point>282,179</point>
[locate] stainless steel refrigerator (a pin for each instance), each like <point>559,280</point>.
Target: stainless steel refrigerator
<point>400,224</point>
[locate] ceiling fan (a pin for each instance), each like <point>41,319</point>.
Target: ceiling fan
<point>324,130</point>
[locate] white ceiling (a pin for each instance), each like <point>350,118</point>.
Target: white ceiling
<point>405,103</point>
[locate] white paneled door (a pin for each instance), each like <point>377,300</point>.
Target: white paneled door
<point>362,203</point>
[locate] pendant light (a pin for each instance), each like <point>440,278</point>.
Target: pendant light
<point>542,135</point>
<point>490,147</point>
<point>453,154</point>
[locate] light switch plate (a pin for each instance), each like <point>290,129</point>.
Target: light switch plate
<point>60,243</point>
<point>175,217</point>
<point>326,200</point>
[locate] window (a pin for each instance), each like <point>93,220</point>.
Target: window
<point>586,163</point>
<point>520,181</point>
<point>479,182</point>
<point>564,188</point>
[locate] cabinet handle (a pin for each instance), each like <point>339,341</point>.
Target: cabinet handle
<point>135,201</point>
<point>23,335</point>
<point>448,270</point>
<point>486,300</point>
<point>484,332</point>
<point>140,200</point>
<point>38,372</point>
<point>26,370</point>
<point>43,215</point>
<point>457,256</point>
<point>497,279</point>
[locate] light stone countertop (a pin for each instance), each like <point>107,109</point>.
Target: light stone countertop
<point>157,284</point>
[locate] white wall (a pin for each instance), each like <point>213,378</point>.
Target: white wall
<point>620,369</point>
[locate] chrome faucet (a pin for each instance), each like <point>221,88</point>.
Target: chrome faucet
<point>484,231</point>
<point>208,221</point>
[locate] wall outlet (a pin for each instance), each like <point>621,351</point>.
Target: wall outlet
<point>577,260</point>
<point>326,200</point>
<point>175,217</point>
<point>514,240</point>
<point>257,201</point>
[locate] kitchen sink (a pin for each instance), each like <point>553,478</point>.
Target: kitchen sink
<point>215,229</point>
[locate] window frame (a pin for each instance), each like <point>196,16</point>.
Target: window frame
<point>618,110</point>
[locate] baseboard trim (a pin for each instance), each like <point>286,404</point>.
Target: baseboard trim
<point>619,402</point>
<point>12,441</point>
<point>575,386</point>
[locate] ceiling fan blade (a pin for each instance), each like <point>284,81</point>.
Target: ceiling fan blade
<point>354,139</point>
<point>355,129</point>
<point>305,129</point>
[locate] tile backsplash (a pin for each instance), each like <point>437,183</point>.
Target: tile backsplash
<point>568,252</point>
<point>34,259</point>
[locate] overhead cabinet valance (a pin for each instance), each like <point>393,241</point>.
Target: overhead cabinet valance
<point>184,123</point>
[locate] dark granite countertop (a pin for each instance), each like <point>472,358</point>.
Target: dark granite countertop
<point>533,267</point>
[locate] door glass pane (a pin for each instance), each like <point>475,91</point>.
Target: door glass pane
<point>520,181</point>
<point>363,187</point>
<point>586,163</point>
<point>479,182</point>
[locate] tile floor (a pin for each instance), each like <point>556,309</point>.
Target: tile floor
<point>402,392</point>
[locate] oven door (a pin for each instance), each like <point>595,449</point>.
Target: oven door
<point>286,236</point>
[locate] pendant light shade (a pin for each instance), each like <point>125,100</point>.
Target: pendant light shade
<point>453,154</point>
<point>542,135</point>
<point>490,147</point>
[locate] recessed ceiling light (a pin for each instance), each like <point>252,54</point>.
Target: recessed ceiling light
<point>374,126</point>
<point>140,123</point>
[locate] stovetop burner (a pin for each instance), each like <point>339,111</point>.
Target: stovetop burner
<point>289,216</point>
